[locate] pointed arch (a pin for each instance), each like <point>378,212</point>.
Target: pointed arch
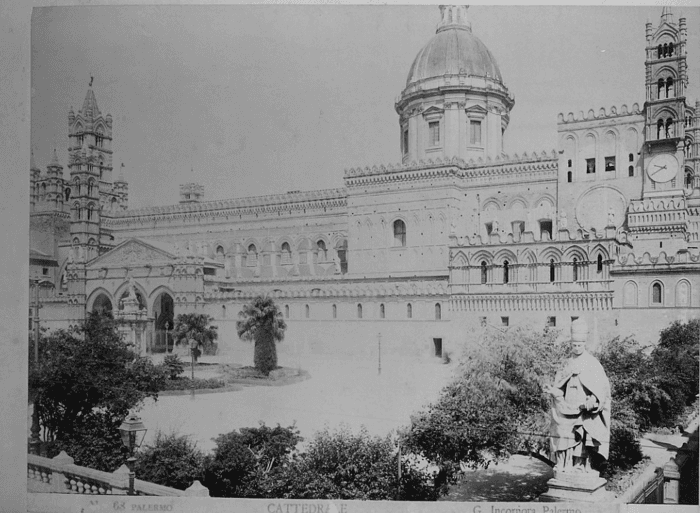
<point>575,252</point>
<point>550,253</point>
<point>503,255</point>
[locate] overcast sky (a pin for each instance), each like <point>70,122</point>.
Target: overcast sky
<point>263,99</point>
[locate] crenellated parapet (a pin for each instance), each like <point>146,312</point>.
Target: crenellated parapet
<point>661,259</point>
<point>602,114</point>
<point>480,168</point>
<point>292,202</point>
<point>560,236</point>
<point>657,215</point>
<point>325,287</point>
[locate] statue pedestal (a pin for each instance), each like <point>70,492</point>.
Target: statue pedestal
<point>576,487</point>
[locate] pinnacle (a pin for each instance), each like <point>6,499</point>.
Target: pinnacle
<point>54,159</point>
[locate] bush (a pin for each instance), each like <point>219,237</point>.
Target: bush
<point>171,460</point>
<point>186,383</point>
<point>173,365</point>
<point>495,399</point>
<point>95,443</point>
<point>246,463</point>
<point>675,361</point>
<point>343,465</point>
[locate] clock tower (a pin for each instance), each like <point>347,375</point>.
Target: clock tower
<point>665,109</point>
<point>659,220</point>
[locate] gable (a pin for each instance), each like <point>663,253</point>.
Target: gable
<point>131,253</point>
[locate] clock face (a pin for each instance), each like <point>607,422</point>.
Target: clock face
<point>662,168</point>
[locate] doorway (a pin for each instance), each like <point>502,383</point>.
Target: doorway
<point>437,343</point>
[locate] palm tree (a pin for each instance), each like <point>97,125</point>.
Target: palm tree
<point>196,327</point>
<point>262,322</point>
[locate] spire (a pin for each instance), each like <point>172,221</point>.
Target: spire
<point>453,16</point>
<point>666,15</point>
<point>120,178</point>
<point>54,159</point>
<point>90,103</point>
<point>32,165</point>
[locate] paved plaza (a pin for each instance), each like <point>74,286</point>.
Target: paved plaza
<point>339,391</point>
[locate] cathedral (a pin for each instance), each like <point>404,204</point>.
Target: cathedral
<point>417,253</point>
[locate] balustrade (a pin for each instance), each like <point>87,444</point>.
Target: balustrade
<point>60,475</point>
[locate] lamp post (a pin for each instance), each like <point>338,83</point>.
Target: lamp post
<point>379,354</point>
<point>132,432</point>
<point>35,441</point>
<point>167,326</point>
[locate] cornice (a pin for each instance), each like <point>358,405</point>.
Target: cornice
<point>255,205</point>
<point>473,170</point>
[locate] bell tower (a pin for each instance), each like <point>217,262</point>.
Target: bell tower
<point>90,165</point>
<point>665,109</point>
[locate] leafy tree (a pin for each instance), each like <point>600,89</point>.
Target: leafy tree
<point>171,460</point>
<point>243,462</point>
<point>88,375</point>
<point>638,401</point>
<point>675,359</point>
<point>197,327</point>
<point>344,465</point>
<point>494,404</point>
<point>262,322</point>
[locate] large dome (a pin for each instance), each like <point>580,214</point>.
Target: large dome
<point>453,50</point>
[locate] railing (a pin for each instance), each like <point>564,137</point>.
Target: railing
<point>60,475</point>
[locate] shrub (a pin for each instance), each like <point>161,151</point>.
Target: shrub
<point>675,361</point>
<point>94,443</point>
<point>171,460</point>
<point>244,463</point>
<point>343,465</point>
<point>495,399</point>
<point>173,365</point>
<point>186,383</point>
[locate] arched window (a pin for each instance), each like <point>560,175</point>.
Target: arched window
<point>656,294</point>
<point>660,129</point>
<point>505,271</point>
<point>335,311</point>
<point>669,128</point>
<point>286,311</point>
<point>409,311</point>
<point>89,213</point>
<point>669,88</point>
<point>551,271</point>
<point>220,253</point>
<point>359,311</point>
<point>569,176</point>
<point>43,191</point>
<point>659,52</point>
<point>688,179</point>
<point>381,311</point>
<point>670,49</point>
<point>631,157</point>
<point>76,211</point>
<point>630,171</point>
<point>575,269</point>
<point>665,49</point>
<point>67,193</point>
<point>286,253</point>
<point>569,163</point>
<point>252,256</point>
<point>307,311</point>
<point>484,272</point>
<point>76,241</point>
<point>91,185</point>
<point>599,267</point>
<point>660,89</point>
<point>438,312</point>
<point>321,251</point>
<point>399,233</point>
<point>688,148</point>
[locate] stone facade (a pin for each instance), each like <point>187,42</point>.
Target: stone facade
<point>457,234</point>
